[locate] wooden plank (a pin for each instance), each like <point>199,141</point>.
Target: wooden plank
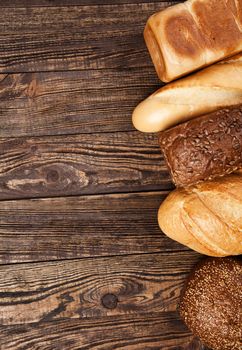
<point>120,302</point>
<point>67,228</point>
<point>58,3</point>
<point>72,102</point>
<point>73,38</point>
<point>93,288</point>
<point>145,332</point>
<point>81,164</point>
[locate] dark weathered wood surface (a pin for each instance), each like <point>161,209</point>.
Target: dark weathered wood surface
<point>89,101</point>
<point>81,164</point>
<point>34,296</point>
<point>90,268</point>
<point>65,228</point>
<point>86,37</point>
<point>58,3</point>
<point>161,331</point>
<point>91,288</point>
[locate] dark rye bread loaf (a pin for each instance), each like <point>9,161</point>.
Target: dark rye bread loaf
<point>211,303</point>
<point>204,148</point>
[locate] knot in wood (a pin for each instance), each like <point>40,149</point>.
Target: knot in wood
<point>33,148</point>
<point>52,176</point>
<point>109,301</point>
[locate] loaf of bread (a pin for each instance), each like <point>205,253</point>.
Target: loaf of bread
<point>211,303</point>
<point>206,91</point>
<point>206,217</point>
<point>194,34</point>
<point>205,147</point>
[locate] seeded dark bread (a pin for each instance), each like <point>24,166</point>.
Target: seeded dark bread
<point>204,148</point>
<point>211,303</point>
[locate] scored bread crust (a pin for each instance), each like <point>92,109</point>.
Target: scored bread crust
<point>207,217</point>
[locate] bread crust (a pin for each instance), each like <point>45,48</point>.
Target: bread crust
<point>209,90</point>
<point>205,147</point>
<point>210,302</point>
<point>189,38</point>
<point>206,217</point>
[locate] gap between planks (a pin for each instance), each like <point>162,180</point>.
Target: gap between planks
<point>40,262</point>
<point>80,227</point>
<point>150,284</point>
<point>158,191</point>
<point>83,102</point>
<point>40,39</point>
<point>135,290</point>
<point>57,166</point>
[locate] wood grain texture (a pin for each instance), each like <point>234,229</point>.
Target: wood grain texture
<point>142,332</point>
<point>81,164</point>
<point>69,305</point>
<point>75,289</point>
<point>67,228</point>
<point>74,38</point>
<point>87,101</point>
<point>58,3</point>
<point>69,133</point>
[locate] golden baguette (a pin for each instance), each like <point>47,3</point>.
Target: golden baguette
<point>215,87</point>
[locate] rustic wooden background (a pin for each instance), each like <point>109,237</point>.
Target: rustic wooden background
<point>83,262</point>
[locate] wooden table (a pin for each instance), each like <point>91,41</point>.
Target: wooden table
<point>83,262</point>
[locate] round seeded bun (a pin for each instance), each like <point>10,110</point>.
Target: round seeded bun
<point>211,303</point>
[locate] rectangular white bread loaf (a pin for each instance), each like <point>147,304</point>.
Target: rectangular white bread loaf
<point>192,35</point>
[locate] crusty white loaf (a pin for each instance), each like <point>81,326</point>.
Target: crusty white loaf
<point>206,91</point>
<point>194,34</point>
<point>206,217</point>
